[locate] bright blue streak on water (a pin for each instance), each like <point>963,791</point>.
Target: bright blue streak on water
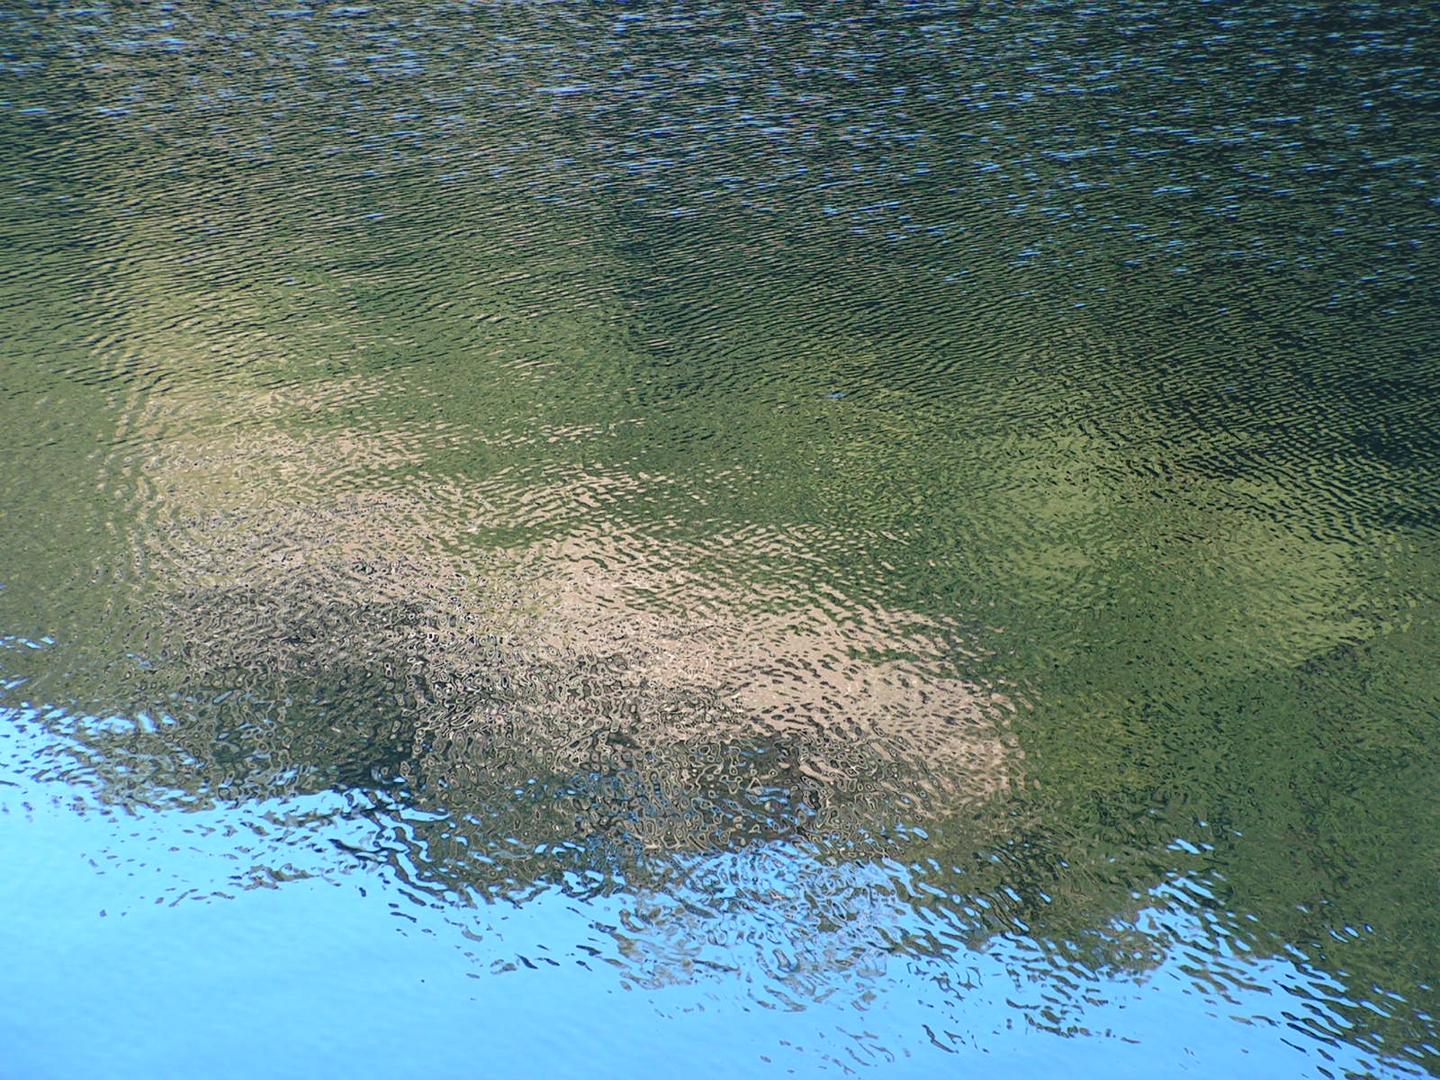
<point>321,977</point>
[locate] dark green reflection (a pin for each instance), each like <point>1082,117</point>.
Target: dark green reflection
<point>634,439</point>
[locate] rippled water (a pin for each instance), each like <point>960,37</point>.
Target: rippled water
<point>578,538</point>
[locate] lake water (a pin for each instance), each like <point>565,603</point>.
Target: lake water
<point>624,539</point>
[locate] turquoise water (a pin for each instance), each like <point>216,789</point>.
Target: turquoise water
<point>614,538</point>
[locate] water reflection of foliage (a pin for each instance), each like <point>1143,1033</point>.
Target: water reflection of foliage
<point>1193,585</point>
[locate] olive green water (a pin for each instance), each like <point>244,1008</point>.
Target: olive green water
<point>994,444</point>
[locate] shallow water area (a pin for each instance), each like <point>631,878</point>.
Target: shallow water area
<point>545,536</point>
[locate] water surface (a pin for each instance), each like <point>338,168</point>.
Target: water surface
<point>585,536</point>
